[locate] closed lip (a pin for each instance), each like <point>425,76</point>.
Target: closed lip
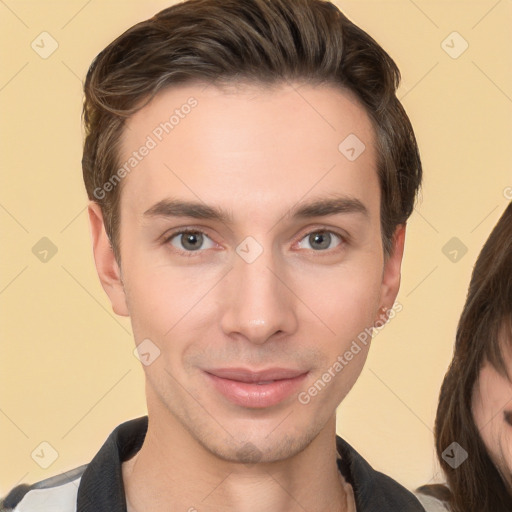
<point>252,376</point>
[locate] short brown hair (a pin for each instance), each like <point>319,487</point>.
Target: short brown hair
<point>485,320</point>
<point>260,41</point>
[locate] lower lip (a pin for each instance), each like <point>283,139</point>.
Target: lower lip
<point>253,395</point>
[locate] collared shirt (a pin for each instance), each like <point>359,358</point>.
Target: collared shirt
<point>98,486</point>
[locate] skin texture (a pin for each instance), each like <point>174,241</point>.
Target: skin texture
<point>257,153</point>
<point>491,405</point>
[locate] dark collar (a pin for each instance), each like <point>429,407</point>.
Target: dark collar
<point>374,491</point>
<point>101,487</point>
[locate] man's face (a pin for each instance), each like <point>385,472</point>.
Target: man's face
<point>263,290</point>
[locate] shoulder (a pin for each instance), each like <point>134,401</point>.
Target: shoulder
<point>374,490</point>
<point>394,494</point>
<point>434,497</point>
<point>431,504</point>
<point>55,494</point>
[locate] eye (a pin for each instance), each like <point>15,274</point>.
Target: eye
<point>320,240</point>
<point>188,240</point>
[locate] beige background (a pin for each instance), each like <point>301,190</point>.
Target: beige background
<point>68,374</point>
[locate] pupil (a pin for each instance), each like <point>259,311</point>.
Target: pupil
<point>194,239</point>
<point>318,237</point>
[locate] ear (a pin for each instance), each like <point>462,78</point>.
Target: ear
<point>392,265</point>
<point>106,264</point>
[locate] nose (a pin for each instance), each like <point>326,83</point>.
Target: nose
<point>258,303</point>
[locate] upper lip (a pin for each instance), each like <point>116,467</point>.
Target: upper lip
<point>244,375</point>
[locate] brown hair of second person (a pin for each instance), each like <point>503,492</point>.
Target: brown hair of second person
<point>256,41</point>
<point>485,322</point>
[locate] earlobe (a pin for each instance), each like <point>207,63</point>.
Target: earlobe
<point>105,261</point>
<point>392,267</point>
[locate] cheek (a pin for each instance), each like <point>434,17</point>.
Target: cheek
<point>345,298</point>
<point>158,301</point>
<point>490,396</point>
<point>483,410</point>
<point>497,439</point>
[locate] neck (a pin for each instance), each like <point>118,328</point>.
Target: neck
<point>172,471</point>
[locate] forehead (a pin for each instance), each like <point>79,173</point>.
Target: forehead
<point>250,143</point>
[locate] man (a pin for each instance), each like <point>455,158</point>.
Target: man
<point>250,172</point>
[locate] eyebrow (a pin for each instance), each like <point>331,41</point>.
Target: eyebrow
<point>322,207</point>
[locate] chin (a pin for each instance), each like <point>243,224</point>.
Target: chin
<point>259,447</point>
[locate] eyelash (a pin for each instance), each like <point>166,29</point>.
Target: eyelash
<point>168,238</point>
